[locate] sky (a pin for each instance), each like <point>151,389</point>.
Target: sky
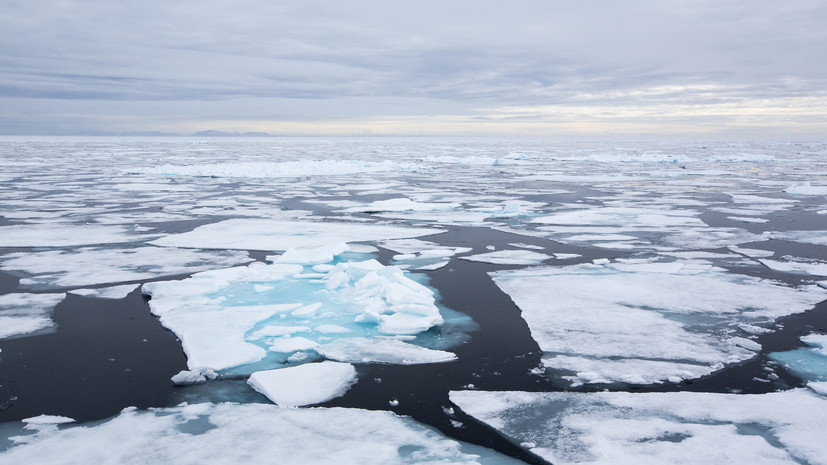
<point>706,68</point>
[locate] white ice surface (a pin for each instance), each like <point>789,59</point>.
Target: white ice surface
<point>509,257</point>
<point>592,318</point>
<point>261,234</point>
<point>98,265</point>
<point>48,420</point>
<point>311,383</point>
<point>63,235</point>
<point>797,266</point>
<point>22,313</point>
<point>805,237</point>
<point>805,188</point>
<point>194,376</point>
<point>618,428</point>
<point>230,317</point>
<point>112,292</point>
<point>214,434</point>
<point>286,169</point>
<point>381,350</point>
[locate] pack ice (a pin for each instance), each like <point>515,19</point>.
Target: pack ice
<point>304,304</point>
<point>646,322</point>
<point>243,433</point>
<point>809,363</point>
<point>620,428</point>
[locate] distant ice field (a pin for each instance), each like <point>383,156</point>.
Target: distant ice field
<point>339,277</point>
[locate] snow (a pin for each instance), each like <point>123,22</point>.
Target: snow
<point>805,237</point>
<point>96,265</point>
<point>263,234</point>
<point>22,313</point>
<point>245,433</point>
<point>591,318</point>
<point>225,318</point>
<point>509,257</point>
<point>620,428</point>
<point>312,383</point>
<point>381,350</point>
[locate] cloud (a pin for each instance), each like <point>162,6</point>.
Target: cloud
<point>175,65</point>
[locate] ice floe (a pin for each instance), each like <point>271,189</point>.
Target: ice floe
<point>112,292</point>
<point>22,313</point>
<point>591,318</point>
<point>99,265</point>
<point>809,363</point>
<point>246,433</point>
<point>231,317</point>
<point>285,169</point>
<point>804,237</point>
<point>311,383</point>
<point>381,350</point>
<point>63,235</point>
<point>509,257</point>
<point>194,376</point>
<point>796,265</point>
<point>805,188</point>
<point>676,427</point>
<point>262,234</point>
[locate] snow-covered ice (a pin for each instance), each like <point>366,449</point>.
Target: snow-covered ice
<point>244,433</point>
<point>97,265</point>
<point>62,235</point>
<point>112,292</point>
<point>591,319</point>
<point>381,350</point>
<point>311,383</point>
<point>231,317</point>
<point>509,257</point>
<point>262,234</point>
<point>22,313</point>
<point>675,427</point>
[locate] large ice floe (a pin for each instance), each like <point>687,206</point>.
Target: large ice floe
<point>305,305</point>
<point>261,234</point>
<point>617,428</point>
<point>646,322</point>
<point>99,265</point>
<point>248,433</point>
<point>809,363</point>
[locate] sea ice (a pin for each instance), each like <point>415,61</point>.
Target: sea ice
<point>247,433</point>
<point>22,313</point>
<point>509,257</point>
<point>620,428</point>
<point>96,265</point>
<point>794,265</point>
<point>809,363</point>
<point>805,237</point>
<point>381,350</point>
<point>112,292</point>
<point>65,235</point>
<point>48,420</point>
<point>591,318</point>
<point>194,376</point>
<point>311,383</point>
<point>805,189</point>
<point>225,318</point>
<point>285,169</point>
<point>260,234</point>
<point>401,204</point>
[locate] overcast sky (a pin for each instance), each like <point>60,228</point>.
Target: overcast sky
<point>542,68</point>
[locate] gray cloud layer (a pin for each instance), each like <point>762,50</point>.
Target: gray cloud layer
<point>75,65</point>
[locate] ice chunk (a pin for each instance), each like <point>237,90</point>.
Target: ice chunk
<point>586,317</point>
<point>257,234</point>
<point>312,383</point>
<point>194,376</point>
<point>796,265</point>
<point>819,387</point>
<point>509,257</point>
<point>48,420</point>
<point>22,313</point>
<point>311,255</point>
<point>364,350</point>
<point>249,433</point>
<point>95,265</point>
<point>805,188</point>
<point>112,292</point>
<point>422,255</point>
<point>292,344</point>
<point>805,237</point>
<point>675,427</point>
